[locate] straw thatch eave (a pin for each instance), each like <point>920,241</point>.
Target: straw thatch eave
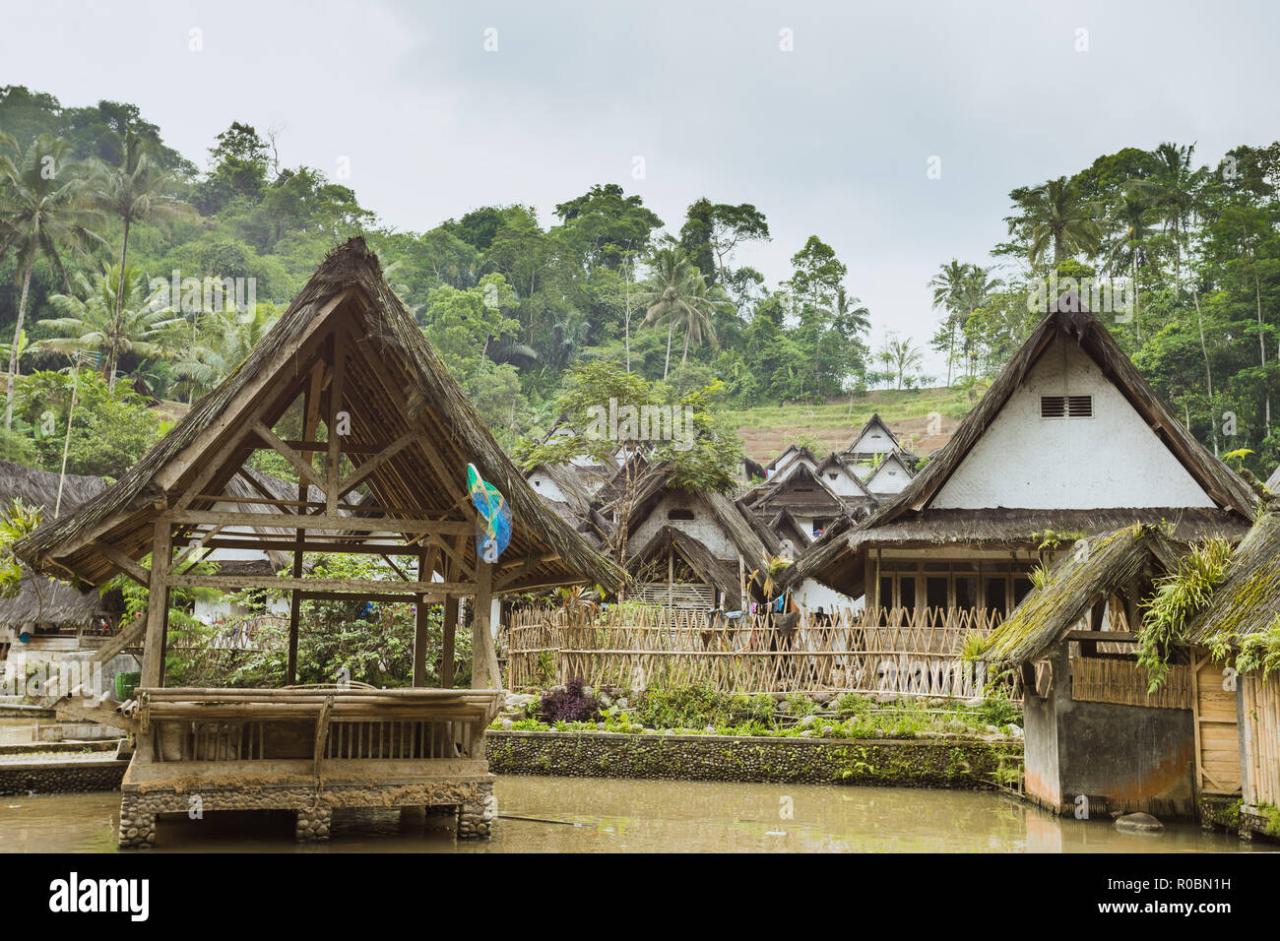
<point>1077,582</point>
<point>396,385</point>
<point>1248,600</point>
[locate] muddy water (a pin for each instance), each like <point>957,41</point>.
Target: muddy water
<point>601,816</point>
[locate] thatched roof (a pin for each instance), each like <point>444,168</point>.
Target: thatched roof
<point>395,384</point>
<point>909,519</point>
<point>40,488</point>
<point>1076,583</point>
<point>873,423</point>
<point>753,544</point>
<point>43,600</point>
<point>718,573</point>
<point>1248,600</point>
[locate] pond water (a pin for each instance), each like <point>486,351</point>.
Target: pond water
<point>589,815</point>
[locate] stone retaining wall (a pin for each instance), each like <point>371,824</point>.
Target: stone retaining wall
<point>965,763</point>
<point>58,776</point>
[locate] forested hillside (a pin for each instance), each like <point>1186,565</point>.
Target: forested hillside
<point>104,229</point>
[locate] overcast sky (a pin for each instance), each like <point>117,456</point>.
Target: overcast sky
<point>823,114</point>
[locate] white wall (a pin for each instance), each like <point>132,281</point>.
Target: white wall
<point>1110,460</point>
<point>705,528</point>
<point>890,477</point>
<point>873,441</point>
<point>812,595</point>
<point>544,486</point>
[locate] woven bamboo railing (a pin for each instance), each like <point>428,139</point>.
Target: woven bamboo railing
<point>900,651</point>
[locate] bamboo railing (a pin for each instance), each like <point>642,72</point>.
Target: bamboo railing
<point>912,652</point>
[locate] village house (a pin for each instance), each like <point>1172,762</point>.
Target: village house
<point>1068,441</point>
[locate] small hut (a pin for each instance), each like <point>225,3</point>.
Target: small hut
<point>1096,741</point>
<point>347,391</point>
<point>49,620</point>
<point>1236,659</point>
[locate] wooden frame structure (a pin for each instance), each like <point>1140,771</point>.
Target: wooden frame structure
<point>347,392</point>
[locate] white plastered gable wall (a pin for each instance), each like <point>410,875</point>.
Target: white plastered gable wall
<point>545,487</point>
<point>890,477</point>
<point>1113,459</point>
<point>873,441</point>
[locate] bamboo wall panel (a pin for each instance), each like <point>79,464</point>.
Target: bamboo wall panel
<point>1094,679</point>
<point>903,652</point>
<point>1261,739</point>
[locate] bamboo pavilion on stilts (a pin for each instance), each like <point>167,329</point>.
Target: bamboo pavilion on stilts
<point>386,438</point>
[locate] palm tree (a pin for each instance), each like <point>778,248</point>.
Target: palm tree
<point>132,192</point>
<point>972,294</point>
<point>44,211</point>
<point>1173,190</point>
<point>947,285</point>
<point>1129,247</point>
<point>1054,216</point>
<point>901,358</point>
<point>676,291</point>
<point>98,321</point>
<point>218,342</point>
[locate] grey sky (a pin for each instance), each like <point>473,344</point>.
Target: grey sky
<point>831,138</point>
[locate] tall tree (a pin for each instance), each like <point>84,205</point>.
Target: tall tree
<point>1053,217</point>
<point>677,293</point>
<point>45,212</point>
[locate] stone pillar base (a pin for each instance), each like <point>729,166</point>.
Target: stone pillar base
<point>313,824</point>
<point>137,827</point>
<point>475,817</point>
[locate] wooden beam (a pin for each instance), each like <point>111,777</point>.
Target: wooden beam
<point>125,564</point>
<point>368,467</point>
<point>421,621</point>
<point>356,586</point>
<point>157,607</point>
<point>447,649</point>
<point>484,656</point>
<point>370,524</point>
<point>337,390</point>
<point>304,469</point>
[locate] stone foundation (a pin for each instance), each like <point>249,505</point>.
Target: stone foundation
<point>60,776</point>
<point>961,763</point>
<point>472,801</point>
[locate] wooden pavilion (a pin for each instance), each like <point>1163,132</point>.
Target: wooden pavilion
<point>348,392</point>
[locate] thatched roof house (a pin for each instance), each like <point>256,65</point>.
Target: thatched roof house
<point>1069,439</point>
<point>45,601</point>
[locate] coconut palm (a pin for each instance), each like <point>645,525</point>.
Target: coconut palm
<point>1129,248</point>
<point>44,212</point>
<point>213,344</point>
<point>1174,191</point>
<point>133,192</point>
<point>99,321</point>
<point>1055,217</point>
<point>677,292</point>
<point>947,285</point>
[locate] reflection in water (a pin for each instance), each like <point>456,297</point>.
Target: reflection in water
<point>587,815</point>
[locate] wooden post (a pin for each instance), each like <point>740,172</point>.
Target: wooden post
<point>157,607</point>
<point>420,620</point>
<point>447,650</point>
<point>484,657</point>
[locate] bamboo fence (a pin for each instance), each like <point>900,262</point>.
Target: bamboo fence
<point>893,651</point>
